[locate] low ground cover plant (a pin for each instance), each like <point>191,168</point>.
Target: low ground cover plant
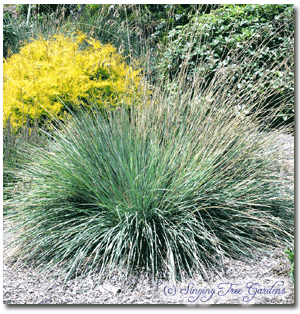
<point>49,75</point>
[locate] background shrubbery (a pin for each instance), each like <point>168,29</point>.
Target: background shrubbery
<point>263,33</point>
<point>162,33</point>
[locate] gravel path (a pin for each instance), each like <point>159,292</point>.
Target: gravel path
<point>264,281</point>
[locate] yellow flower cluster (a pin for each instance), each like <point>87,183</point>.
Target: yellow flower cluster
<point>47,76</point>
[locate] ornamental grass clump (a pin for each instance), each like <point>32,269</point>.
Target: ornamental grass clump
<point>173,187</point>
<point>47,76</point>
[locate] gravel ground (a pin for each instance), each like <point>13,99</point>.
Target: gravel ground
<point>245,282</point>
<point>263,281</point>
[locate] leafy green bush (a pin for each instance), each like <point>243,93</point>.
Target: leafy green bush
<point>290,255</point>
<point>48,75</point>
<point>167,16</point>
<point>264,32</point>
<point>173,187</point>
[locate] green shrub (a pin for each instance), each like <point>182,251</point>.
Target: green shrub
<point>167,16</point>
<point>48,75</point>
<point>173,187</point>
<point>263,32</point>
<point>290,256</point>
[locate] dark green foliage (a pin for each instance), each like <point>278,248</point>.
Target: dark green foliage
<point>262,32</point>
<point>10,33</point>
<point>290,256</point>
<point>169,16</point>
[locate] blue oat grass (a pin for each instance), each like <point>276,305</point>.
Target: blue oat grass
<point>172,186</point>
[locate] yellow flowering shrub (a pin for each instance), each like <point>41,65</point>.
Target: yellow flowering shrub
<point>47,76</point>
